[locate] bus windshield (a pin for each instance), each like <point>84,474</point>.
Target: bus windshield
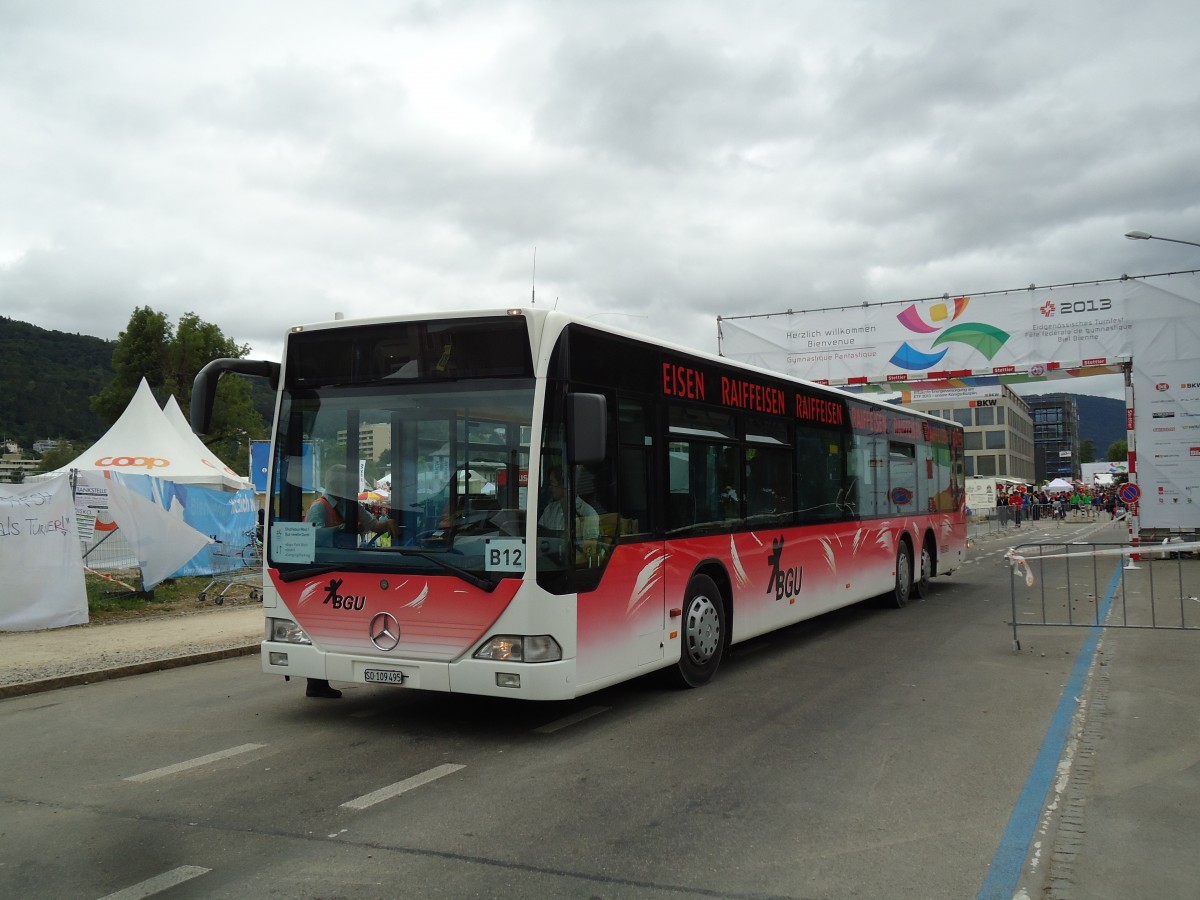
<point>421,476</point>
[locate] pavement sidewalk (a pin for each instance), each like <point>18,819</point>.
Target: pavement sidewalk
<point>1125,822</point>
<point>32,661</point>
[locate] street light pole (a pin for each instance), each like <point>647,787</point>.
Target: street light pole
<point>1142,236</point>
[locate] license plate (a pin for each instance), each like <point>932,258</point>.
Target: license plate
<point>383,676</point>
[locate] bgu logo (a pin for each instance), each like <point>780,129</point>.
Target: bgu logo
<point>784,582</point>
<point>1047,309</point>
<point>145,462</point>
<point>337,601</point>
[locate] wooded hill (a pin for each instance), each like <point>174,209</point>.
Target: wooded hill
<point>46,380</point>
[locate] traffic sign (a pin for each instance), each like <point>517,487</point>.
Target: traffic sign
<point>1130,493</point>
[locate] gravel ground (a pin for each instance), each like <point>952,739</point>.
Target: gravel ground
<point>128,645</point>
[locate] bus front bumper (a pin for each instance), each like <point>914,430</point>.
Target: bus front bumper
<point>527,681</point>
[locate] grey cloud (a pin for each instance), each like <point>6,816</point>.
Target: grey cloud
<point>656,101</point>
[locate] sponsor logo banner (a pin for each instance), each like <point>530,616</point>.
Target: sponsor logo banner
<point>1076,326</point>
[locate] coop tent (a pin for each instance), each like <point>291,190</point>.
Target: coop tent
<point>145,441</point>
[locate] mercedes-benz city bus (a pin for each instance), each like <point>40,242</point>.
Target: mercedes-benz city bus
<point>573,505</point>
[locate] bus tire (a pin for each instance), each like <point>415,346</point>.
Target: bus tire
<point>702,633</point>
<point>902,592</point>
<point>920,586</point>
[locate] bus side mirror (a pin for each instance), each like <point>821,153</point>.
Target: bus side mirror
<point>204,386</point>
<point>587,428</point>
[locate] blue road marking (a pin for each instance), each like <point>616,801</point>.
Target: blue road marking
<point>1005,870</point>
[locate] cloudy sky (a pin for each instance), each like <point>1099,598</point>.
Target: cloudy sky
<point>269,163</point>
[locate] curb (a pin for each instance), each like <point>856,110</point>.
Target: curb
<point>22,689</point>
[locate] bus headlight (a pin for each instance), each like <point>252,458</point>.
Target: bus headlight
<point>530,648</point>
<point>288,632</point>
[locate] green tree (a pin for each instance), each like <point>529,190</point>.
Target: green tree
<point>235,422</point>
<point>169,358</point>
<point>1087,450</point>
<point>58,457</point>
<point>141,352</point>
<point>1118,451</point>
<point>194,344</point>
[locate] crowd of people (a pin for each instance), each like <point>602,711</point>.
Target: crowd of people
<point>1021,503</point>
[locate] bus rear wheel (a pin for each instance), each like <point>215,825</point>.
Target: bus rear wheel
<point>703,633</point>
<point>902,592</point>
<point>920,586</point>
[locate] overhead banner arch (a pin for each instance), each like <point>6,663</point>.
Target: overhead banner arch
<point>1032,331</point>
<point>1146,325</point>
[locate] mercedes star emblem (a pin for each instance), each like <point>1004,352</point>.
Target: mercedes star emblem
<point>385,631</point>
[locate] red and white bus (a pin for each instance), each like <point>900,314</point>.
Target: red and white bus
<point>576,505</point>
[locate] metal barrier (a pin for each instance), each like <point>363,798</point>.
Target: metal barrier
<point>1060,585</point>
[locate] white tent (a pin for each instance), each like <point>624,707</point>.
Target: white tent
<point>144,441</point>
<point>176,417</point>
<point>1060,484</point>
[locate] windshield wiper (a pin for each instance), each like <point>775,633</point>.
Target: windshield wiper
<point>310,571</point>
<point>306,572</point>
<point>469,577</point>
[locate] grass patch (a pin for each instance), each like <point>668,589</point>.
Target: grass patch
<point>113,598</point>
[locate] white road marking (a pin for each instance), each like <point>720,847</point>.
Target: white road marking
<point>194,763</point>
<point>158,883</point>
<point>570,720</point>
<point>394,790</point>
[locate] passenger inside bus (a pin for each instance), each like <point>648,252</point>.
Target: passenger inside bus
<point>338,517</point>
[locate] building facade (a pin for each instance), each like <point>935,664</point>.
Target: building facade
<point>1055,436</point>
<point>14,469</point>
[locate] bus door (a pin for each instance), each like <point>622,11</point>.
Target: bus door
<point>619,578</point>
<point>637,482</point>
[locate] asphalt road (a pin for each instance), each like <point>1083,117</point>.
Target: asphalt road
<point>869,753</point>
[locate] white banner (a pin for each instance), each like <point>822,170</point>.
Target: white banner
<point>1048,332</point>
<point>39,556</point>
<point>929,395</point>
<point>1032,330</point>
<point>163,542</point>
<point>1166,392</point>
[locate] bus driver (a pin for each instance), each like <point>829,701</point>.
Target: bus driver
<point>553,517</point>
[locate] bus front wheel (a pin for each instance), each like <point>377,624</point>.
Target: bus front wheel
<point>702,633</point>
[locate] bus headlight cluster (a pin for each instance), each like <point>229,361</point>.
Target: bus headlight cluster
<point>530,648</point>
<point>288,632</point>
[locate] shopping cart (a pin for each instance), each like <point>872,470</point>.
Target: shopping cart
<point>238,566</point>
